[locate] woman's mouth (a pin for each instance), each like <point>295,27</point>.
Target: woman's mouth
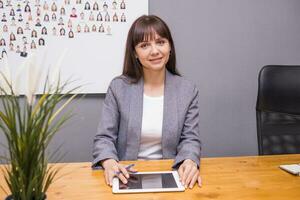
<point>155,60</point>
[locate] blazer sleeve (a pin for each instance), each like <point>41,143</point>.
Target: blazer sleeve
<point>189,144</point>
<point>107,132</point>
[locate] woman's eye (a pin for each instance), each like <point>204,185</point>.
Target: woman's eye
<point>144,45</point>
<point>161,42</point>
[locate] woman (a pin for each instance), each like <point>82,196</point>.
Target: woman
<point>150,112</point>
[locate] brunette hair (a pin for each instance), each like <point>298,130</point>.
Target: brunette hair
<point>145,28</point>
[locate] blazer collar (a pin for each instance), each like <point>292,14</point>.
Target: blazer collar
<point>136,113</point>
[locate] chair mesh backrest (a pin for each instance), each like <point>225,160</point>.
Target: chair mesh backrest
<point>278,110</point>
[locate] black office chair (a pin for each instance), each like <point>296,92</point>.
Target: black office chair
<point>278,110</point>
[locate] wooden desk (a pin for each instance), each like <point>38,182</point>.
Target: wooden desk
<point>231,178</point>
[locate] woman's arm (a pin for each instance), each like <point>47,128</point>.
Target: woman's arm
<point>107,132</point>
<point>189,148</point>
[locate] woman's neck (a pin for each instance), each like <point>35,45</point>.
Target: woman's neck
<point>154,82</point>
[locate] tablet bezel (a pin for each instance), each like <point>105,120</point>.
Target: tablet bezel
<point>179,188</point>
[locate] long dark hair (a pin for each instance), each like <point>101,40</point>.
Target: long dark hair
<point>143,28</point>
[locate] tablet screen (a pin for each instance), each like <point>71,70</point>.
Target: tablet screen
<point>149,181</point>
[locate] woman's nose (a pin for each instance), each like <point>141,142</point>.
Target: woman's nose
<point>154,49</point>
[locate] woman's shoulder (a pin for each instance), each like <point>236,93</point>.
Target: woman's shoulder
<point>120,82</point>
<point>183,83</point>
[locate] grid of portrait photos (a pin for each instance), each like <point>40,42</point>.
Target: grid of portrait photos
<point>26,25</point>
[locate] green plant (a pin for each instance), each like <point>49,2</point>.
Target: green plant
<point>28,126</point>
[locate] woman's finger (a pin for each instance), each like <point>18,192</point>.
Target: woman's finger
<point>191,174</point>
<point>119,174</point>
<point>111,175</point>
<point>180,172</point>
<point>199,181</point>
<point>124,171</point>
<point>122,178</point>
<point>106,177</point>
<point>185,174</point>
<point>194,179</point>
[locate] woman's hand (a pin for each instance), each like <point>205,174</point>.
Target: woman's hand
<point>189,174</point>
<point>112,168</point>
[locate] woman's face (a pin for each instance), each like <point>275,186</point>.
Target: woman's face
<point>153,54</point>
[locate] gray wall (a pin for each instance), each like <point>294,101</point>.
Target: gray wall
<point>221,45</point>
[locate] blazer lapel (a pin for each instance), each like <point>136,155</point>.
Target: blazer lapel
<point>170,119</point>
<point>135,120</point>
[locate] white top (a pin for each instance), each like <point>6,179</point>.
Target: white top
<point>150,147</point>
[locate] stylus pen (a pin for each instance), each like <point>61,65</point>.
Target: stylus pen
<point>127,168</point>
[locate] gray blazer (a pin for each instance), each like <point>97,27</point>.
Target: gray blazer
<point>119,132</point>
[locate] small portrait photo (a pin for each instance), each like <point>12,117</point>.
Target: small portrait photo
<point>20,18</point>
<point>19,30</point>
<point>62,11</point>
<point>67,2</point>
<point>13,21</point>
<point>45,6</point>
<point>73,13</point>
<point>18,49</point>
<point>5,28</point>
<point>105,6</point>
<point>71,34</point>
<point>94,28</point>
<point>46,18</point>
<point>122,5</point>
<point>38,12</point>
<point>99,17</point>
<point>115,18</point>
<point>78,1</point>
<point>29,17</point>
<point>19,8</point>
<point>107,17</point>
<point>24,39</point>
<point>38,22</point>
<point>44,31</point>
<point>12,12</point>
<point>2,42</point>
<point>70,23</point>
<point>12,37</point>
<point>91,17</point>
<point>53,7</point>
<point>87,6</point>
<point>11,46</point>
<point>32,45</point>
<point>1,4</point>
<point>27,8</point>
<point>78,28</point>
<point>34,34</point>
<point>54,31</point>
<point>27,27</point>
<point>96,6</point>
<point>41,42</point>
<point>3,18</point>
<point>3,53</point>
<point>114,5</point>
<point>62,32</point>
<point>53,17</point>
<point>86,28</point>
<point>82,15</point>
<point>24,52</point>
<point>101,29</point>
<point>123,18</point>
<point>61,21</point>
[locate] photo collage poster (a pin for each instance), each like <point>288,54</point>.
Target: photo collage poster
<point>90,33</point>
